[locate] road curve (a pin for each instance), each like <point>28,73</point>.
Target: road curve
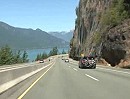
<point>67,81</point>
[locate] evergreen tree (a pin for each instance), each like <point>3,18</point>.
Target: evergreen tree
<point>63,52</point>
<point>6,56</point>
<point>39,56</point>
<point>25,57</point>
<point>54,51</point>
<point>17,57</point>
<point>44,55</point>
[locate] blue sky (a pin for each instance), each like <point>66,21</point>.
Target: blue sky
<point>48,15</point>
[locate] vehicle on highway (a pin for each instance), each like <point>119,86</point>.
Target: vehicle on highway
<point>87,62</point>
<point>63,58</point>
<point>41,61</point>
<point>66,60</point>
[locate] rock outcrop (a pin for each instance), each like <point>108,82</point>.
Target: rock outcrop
<point>101,30</point>
<point>116,46</point>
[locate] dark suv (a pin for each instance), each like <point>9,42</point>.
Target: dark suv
<point>87,62</point>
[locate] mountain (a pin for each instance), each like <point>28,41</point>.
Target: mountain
<point>21,38</point>
<point>102,28</point>
<point>67,36</point>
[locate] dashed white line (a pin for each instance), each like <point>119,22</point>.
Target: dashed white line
<point>75,69</point>
<point>91,77</point>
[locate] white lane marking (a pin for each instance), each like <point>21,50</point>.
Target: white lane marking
<point>18,67</point>
<point>27,90</point>
<point>3,68</point>
<point>75,69</point>
<point>11,83</point>
<point>114,70</point>
<point>91,77</point>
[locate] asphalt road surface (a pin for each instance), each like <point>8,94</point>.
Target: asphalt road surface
<point>67,81</point>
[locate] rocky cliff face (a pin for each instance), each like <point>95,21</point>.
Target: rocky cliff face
<point>116,45</point>
<point>100,30</point>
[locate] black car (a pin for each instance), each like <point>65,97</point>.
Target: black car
<point>87,62</point>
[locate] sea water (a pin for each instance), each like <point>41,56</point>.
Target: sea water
<point>32,54</point>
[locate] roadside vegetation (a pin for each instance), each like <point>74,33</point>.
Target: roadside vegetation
<point>116,14</point>
<point>52,52</point>
<point>8,57</point>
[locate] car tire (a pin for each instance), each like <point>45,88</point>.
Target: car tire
<point>79,66</point>
<point>94,67</point>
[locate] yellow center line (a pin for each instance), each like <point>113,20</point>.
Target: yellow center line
<point>25,92</point>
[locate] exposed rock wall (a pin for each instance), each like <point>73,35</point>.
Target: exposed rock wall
<point>92,37</point>
<point>87,23</point>
<point>116,46</point>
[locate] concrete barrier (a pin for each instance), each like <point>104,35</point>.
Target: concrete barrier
<point>12,76</point>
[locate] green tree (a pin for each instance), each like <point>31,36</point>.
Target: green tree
<point>17,57</point>
<point>63,52</point>
<point>51,53</point>
<point>54,51</point>
<point>44,55</point>
<point>25,57</point>
<point>116,14</point>
<point>39,56</point>
<point>6,56</point>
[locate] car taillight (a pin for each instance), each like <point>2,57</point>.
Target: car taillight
<point>83,61</point>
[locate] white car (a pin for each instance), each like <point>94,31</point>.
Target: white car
<point>41,61</point>
<point>66,60</point>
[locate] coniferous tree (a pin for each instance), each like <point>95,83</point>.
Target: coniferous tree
<point>54,51</point>
<point>63,52</point>
<point>17,57</point>
<point>44,55</point>
<point>6,56</point>
<point>25,57</point>
<point>39,56</point>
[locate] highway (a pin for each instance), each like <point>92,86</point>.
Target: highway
<point>66,81</point>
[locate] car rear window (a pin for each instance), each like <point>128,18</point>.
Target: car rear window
<point>88,57</point>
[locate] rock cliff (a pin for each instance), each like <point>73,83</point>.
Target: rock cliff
<point>102,29</point>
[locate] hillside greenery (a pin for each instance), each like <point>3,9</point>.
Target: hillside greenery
<point>116,13</point>
<point>113,16</point>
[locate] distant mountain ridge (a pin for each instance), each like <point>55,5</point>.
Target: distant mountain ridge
<point>21,38</point>
<point>67,36</point>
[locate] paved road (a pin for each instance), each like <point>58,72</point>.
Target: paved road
<point>67,81</point>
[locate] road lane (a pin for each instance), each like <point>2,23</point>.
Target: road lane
<point>114,81</point>
<point>67,81</point>
<point>21,96</point>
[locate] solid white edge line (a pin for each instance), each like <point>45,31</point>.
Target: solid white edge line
<point>11,83</point>
<point>91,77</point>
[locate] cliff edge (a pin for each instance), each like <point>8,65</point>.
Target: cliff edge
<point>102,29</point>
